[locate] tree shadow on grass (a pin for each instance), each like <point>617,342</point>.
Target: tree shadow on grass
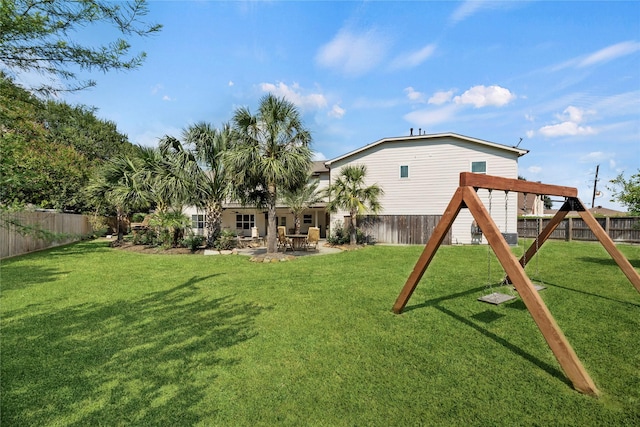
<point>144,362</point>
<point>16,276</point>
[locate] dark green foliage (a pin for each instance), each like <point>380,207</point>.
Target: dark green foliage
<point>46,157</point>
<point>193,242</point>
<point>340,236</point>
<point>226,241</point>
<point>627,192</point>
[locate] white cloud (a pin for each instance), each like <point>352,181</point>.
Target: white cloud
<point>429,117</point>
<point>606,54</point>
<point>317,156</point>
<point>566,129</point>
<point>569,125</point>
<point>294,94</point>
<point>336,112</point>
<point>413,59</point>
<point>596,156</point>
<point>157,88</point>
<point>530,134</point>
<point>534,169</point>
<point>231,83</point>
<point>466,9</point>
<point>414,95</point>
<point>167,98</point>
<point>482,96</point>
<point>353,54</point>
<point>441,97</point>
<point>610,53</point>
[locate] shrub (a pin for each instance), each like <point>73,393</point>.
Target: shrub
<point>340,236</point>
<point>145,237</point>
<point>226,241</point>
<point>193,242</point>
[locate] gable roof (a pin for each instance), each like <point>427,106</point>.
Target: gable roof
<point>519,151</point>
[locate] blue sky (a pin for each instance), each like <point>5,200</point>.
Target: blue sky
<point>563,76</point>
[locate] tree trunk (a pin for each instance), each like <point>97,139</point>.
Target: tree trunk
<point>272,231</point>
<point>119,220</point>
<point>297,224</point>
<point>352,232</point>
<point>214,222</point>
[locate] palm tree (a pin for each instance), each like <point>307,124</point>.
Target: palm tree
<point>209,145</point>
<point>118,184</point>
<point>300,199</point>
<point>270,152</point>
<point>349,193</point>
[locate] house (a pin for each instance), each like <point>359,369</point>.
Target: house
<point>252,222</point>
<point>420,173</point>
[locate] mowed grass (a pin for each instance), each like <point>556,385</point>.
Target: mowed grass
<point>98,336</point>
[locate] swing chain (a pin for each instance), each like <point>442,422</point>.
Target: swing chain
<point>506,211</point>
<point>488,247</point>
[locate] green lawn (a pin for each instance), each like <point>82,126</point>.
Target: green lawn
<point>97,336</point>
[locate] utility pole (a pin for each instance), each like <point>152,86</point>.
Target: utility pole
<point>595,189</point>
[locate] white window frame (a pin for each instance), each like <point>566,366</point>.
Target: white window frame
<point>406,165</point>
<point>479,161</point>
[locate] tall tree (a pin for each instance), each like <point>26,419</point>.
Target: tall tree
<point>209,145</point>
<point>300,199</point>
<point>37,35</point>
<point>49,149</point>
<point>348,192</point>
<point>270,152</point>
<point>626,191</point>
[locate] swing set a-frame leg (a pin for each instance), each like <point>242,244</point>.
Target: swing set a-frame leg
<point>467,197</point>
<point>552,333</point>
<point>574,204</point>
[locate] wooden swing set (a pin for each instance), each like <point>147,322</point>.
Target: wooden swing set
<point>466,197</point>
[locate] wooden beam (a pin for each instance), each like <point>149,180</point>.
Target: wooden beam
<point>476,180</point>
<point>552,333</point>
<point>429,251</point>
<point>610,247</point>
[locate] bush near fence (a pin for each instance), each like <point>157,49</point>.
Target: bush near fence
<point>67,228</point>
<point>620,229</point>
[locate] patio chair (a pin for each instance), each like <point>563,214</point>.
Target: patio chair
<point>313,237</point>
<point>283,241</point>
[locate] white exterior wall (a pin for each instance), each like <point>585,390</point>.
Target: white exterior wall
<point>434,173</point>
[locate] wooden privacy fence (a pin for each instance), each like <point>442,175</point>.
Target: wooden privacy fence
<point>401,229</point>
<point>619,229</point>
<point>68,227</point>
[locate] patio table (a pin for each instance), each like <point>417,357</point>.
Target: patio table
<point>298,241</point>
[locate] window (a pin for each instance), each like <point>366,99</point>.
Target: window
<point>479,167</point>
<point>306,219</point>
<point>245,222</point>
<point>197,221</point>
<point>404,171</point>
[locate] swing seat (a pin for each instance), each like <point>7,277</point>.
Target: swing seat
<point>496,298</point>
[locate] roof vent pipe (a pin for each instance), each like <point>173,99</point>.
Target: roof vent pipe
<point>410,131</point>
<point>420,131</point>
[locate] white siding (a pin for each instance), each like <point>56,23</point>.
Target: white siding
<point>434,171</point>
